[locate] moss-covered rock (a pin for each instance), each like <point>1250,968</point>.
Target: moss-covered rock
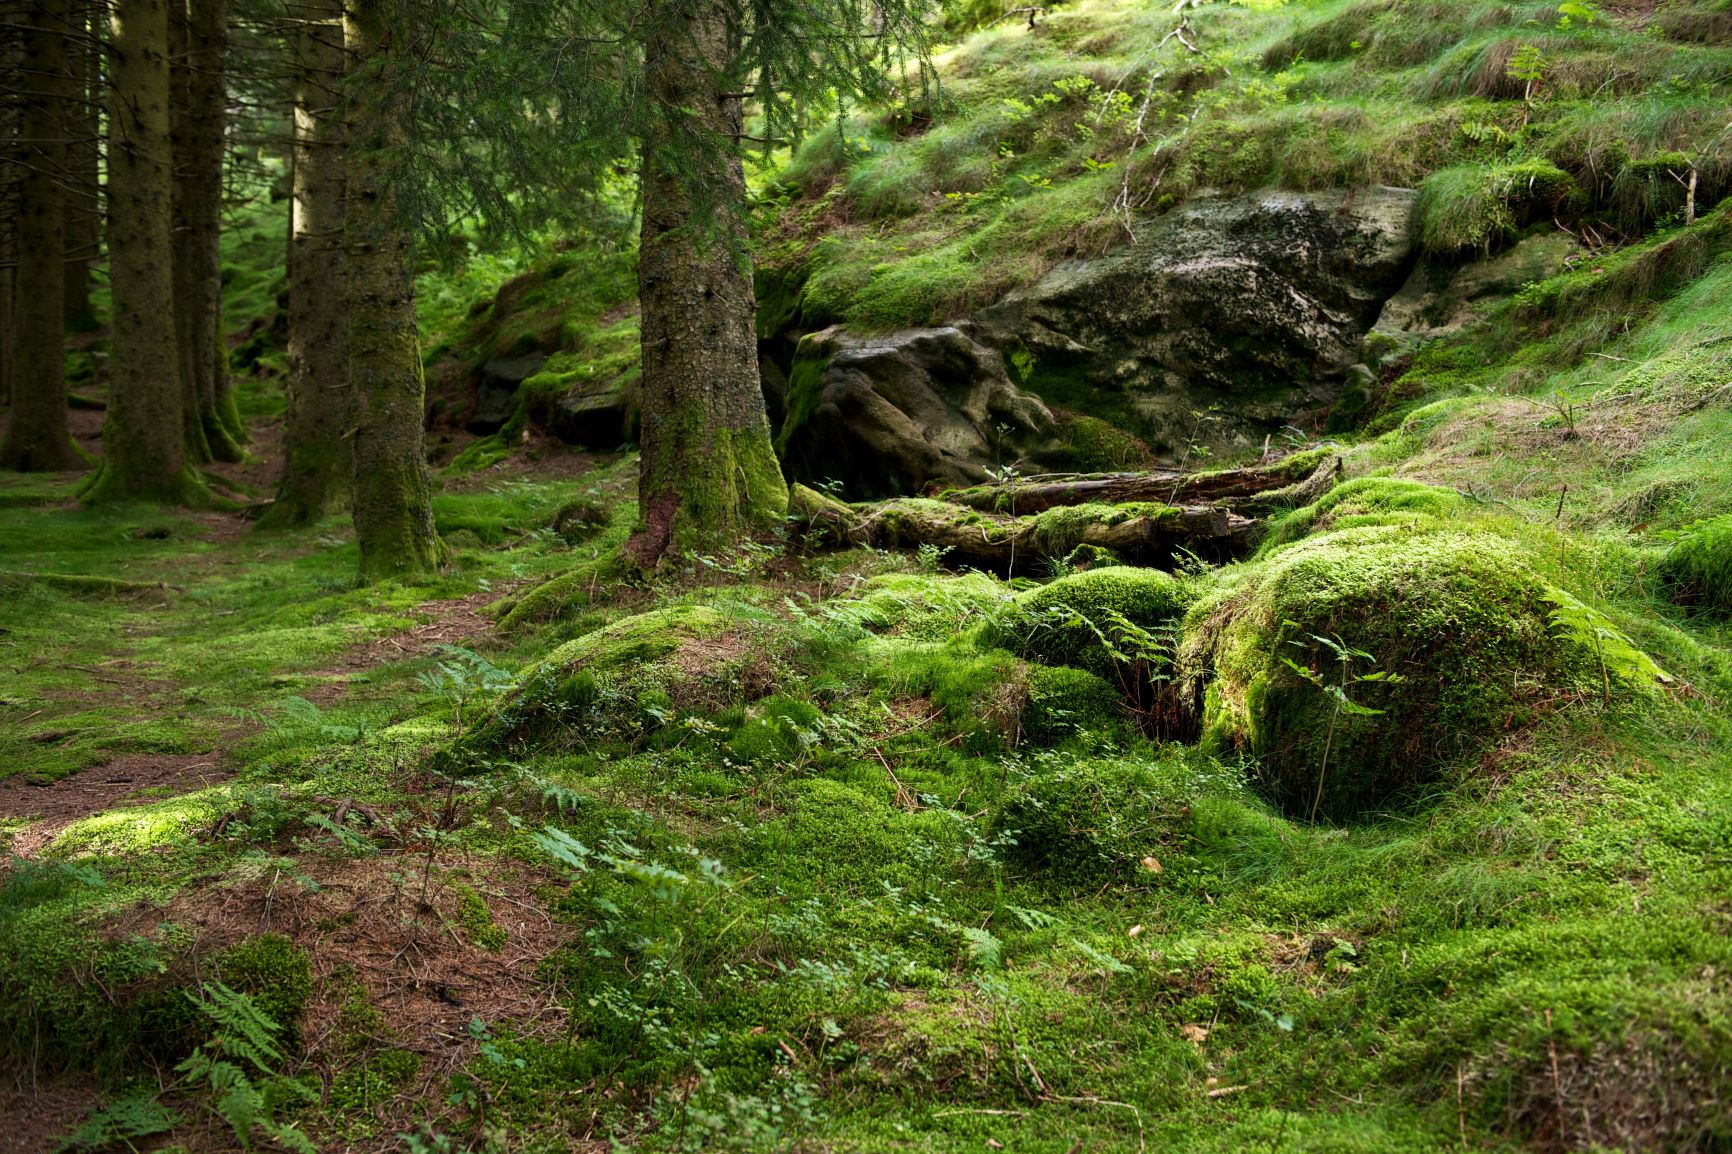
<point>1100,620</point>
<point>1440,640</point>
<point>1365,501</point>
<point>627,679</point>
<point>1698,568</point>
<point>928,607</point>
<point>1092,821</point>
<point>1063,702</point>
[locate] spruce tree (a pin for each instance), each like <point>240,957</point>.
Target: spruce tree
<point>36,436</point>
<point>316,452</point>
<point>393,497</point>
<point>143,441</point>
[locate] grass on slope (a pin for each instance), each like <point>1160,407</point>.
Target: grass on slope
<point>1502,115</point>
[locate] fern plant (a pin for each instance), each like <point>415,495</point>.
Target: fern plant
<point>240,1064</point>
<point>464,677</point>
<point>1345,656</point>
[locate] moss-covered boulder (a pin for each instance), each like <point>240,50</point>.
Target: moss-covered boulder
<point>1356,665</point>
<point>625,680</point>
<point>1064,702</point>
<point>1099,620</point>
<point>925,606</point>
<point>1365,501</point>
<point>1698,568</point>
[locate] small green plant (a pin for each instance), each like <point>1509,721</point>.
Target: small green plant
<point>1345,657</point>
<point>1528,65</point>
<point>240,1065</point>
<point>134,1116</point>
<point>464,677</point>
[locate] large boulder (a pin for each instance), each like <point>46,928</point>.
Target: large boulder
<point>496,390</point>
<point>904,412</point>
<point>1227,319</point>
<point>1355,667</point>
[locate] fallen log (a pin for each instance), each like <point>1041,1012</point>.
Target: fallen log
<point>1138,533</point>
<point>1296,481</point>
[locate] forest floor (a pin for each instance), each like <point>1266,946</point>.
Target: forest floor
<point>811,865</point>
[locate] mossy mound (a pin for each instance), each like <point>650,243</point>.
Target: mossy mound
<point>1698,568</point>
<point>626,680</point>
<point>1064,702</point>
<point>1093,820</point>
<point>1448,637</point>
<point>1102,620</point>
<point>1365,501</point>
<point>926,607</point>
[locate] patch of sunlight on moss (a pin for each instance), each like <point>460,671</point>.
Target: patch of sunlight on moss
<point>139,829</point>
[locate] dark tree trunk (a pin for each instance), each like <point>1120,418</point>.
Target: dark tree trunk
<point>83,168</point>
<point>393,496</point>
<point>201,44</point>
<point>316,453</point>
<point>708,473</point>
<point>11,58</point>
<point>143,445</point>
<point>37,437</point>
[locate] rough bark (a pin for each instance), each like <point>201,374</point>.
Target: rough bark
<point>393,500</point>
<point>316,456</point>
<point>1255,490</point>
<point>198,112</point>
<point>36,436</point>
<point>707,472</point>
<point>83,169</point>
<point>1139,534</point>
<point>143,446</point>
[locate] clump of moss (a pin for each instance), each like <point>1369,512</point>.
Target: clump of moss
<point>1698,567</point>
<point>1438,640</point>
<point>1365,501</point>
<point>622,682</point>
<point>1063,702</point>
<point>928,607</point>
<point>477,920</point>
<point>1092,820</point>
<point>277,974</point>
<point>1082,619</point>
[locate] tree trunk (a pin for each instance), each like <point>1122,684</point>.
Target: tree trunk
<point>201,43</point>
<point>316,455</point>
<point>143,445</point>
<point>83,169</point>
<point>1257,489</point>
<point>37,437</point>
<point>393,499</point>
<point>11,58</point>
<point>707,473</point>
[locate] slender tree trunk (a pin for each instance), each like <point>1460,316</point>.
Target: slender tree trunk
<point>143,445</point>
<point>11,58</point>
<point>83,176</point>
<point>37,437</point>
<point>707,473</point>
<point>316,453</point>
<point>393,496</point>
<point>188,298</point>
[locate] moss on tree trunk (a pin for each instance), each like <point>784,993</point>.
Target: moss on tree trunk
<point>316,455</point>
<point>708,471</point>
<point>37,437</point>
<point>393,497</point>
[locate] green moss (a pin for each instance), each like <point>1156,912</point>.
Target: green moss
<point>1063,702</point>
<point>1459,617</point>
<point>926,607</point>
<point>477,920</point>
<point>1082,619</point>
<point>1365,501</point>
<point>1698,567</point>
<point>278,975</point>
<point>1089,822</point>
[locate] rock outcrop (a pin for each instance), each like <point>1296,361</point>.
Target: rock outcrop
<point>901,413</point>
<point>1228,319</point>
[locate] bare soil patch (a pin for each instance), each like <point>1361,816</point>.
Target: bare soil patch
<point>128,780</point>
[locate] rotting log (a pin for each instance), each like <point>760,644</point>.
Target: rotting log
<point>1250,491</point>
<point>1138,533</point>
